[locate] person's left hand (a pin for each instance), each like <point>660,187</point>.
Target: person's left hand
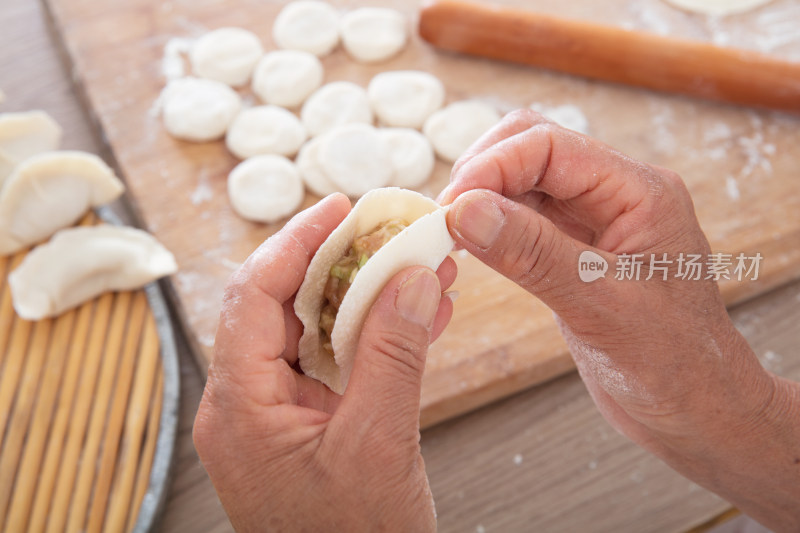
<point>284,452</point>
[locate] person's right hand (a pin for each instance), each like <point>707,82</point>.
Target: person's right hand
<point>661,358</point>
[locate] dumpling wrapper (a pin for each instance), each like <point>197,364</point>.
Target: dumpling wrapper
<point>23,135</point>
<point>51,191</point>
<point>426,242</point>
<point>81,263</point>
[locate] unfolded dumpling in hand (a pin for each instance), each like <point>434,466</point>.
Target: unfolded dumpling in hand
<point>388,230</point>
<point>81,263</point>
<point>51,191</point>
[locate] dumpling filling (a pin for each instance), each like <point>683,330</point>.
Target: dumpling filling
<point>343,273</point>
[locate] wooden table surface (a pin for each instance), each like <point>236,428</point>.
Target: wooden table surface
<point>542,460</point>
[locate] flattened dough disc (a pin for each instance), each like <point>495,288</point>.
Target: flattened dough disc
<point>718,7</point>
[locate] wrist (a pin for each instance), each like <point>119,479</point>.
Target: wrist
<point>731,394</point>
<point>744,443</point>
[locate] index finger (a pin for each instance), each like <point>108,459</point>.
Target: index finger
<point>252,323</point>
<point>512,124</point>
<point>598,181</point>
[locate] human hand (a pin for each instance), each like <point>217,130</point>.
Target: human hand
<point>661,358</point>
<point>283,451</point>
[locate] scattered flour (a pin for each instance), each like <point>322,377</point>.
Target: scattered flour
<point>756,153</point>
<point>663,120</point>
<point>774,31</point>
<point>777,28</point>
<point>217,256</point>
<point>719,35</point>
<point>155,108</point>
<point>190,27</point>
<point>720,131</point>
<point>717,154</point>
<point>719,142</point>
<point>204,292</point>
<point>771,30</point>
<point>608,375</point>
<point>772,361</point>
<point>228,263</point>
<point>207,339</point>
<point>173,64</point>
<point>203,192</point>
<point>518,459</point>
<point>569,116</point>
<point>732,188</point>
<point>716,140</point>
<point>650,18</point>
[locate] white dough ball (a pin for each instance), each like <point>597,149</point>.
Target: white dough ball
<point>197,109</point>
<point>356,159</point>
<point>311,170</point>
<point>405,98</point>
<point>453,129</point>
<point>372,34</point>
<point>228,55</point>
<point>266,129</point>
<point>265,188</point>
<point>287,77</point>
<point>335,104</point>
<point>307,25</point>
<point>411,155</point>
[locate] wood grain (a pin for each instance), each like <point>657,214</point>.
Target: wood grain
<point>62,418</point>
<point>116,415</point>
<point>144,384</point>
<point>611,53</point>
<point>36,439</point>
<point>34,349</point>
<point>489,350</point>
<point>60,469</point>
<point>545,460</point>
<point>770,324</point>
<point>79,418</point>
<point>148,448</point>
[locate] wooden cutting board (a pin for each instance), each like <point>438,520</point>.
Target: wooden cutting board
<point>740,164</point>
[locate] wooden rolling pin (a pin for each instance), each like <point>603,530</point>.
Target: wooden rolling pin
<point>612,54</point>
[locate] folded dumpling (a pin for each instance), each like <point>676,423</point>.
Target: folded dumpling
<point>51,191</point>
<point>23,135</point>
<point>83,262</point>
<point>388,230</point>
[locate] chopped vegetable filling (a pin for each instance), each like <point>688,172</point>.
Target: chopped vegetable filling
<point>343,273</point>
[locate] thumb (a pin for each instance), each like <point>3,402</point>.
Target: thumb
<point>524,246</point>
<point>384,387</point>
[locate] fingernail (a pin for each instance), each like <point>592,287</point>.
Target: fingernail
<point>418,298</point>
<point>452,295</point>
<point>480,221</point>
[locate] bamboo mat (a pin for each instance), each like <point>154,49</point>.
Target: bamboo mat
<point>81,399</point>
